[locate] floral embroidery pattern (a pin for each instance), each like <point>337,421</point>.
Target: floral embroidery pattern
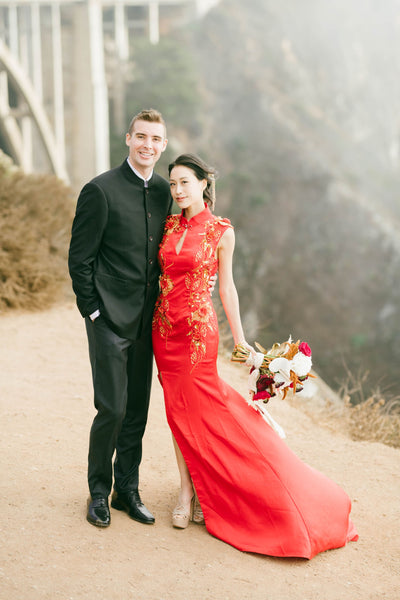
<point>160,319</point>
<point>201,317</point>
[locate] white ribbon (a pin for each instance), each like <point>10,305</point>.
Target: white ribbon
<point>255,359</point>
<point>267,417</point>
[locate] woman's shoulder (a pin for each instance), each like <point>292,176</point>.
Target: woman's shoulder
<point>223,221</point>
<point>172,221</point>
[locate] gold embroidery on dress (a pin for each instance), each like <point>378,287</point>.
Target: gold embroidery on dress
<point>201,317</point>
<point>160,319</point>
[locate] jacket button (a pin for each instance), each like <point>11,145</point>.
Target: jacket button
<point>150,261</point>
<point>150,238</point>
<point>149,215</point>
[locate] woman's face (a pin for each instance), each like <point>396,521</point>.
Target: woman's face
<point>186,189</point>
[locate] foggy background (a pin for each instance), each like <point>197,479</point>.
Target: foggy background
<point>297,104</point>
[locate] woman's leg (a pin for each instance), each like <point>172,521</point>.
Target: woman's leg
<point>188,506</point>
<point>186,492</point>
<point>183,511</point>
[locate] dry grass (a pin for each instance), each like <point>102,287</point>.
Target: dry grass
<point>35,219</point>
<point>375,418</point>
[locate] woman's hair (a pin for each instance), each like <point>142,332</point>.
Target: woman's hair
<point>202,171</point>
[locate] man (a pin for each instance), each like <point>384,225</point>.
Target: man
<point>113,264</point>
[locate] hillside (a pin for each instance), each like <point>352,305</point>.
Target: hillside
<point>301,117</point>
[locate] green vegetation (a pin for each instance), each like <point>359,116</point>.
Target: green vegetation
<point>163,77</point>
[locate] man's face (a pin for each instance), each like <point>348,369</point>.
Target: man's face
<point>146,143</point>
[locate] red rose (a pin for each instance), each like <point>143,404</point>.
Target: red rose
<point>263,382</point>
<point>261,395</point>
<point>305,349</point>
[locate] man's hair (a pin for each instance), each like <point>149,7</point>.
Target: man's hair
<point>151,115</point>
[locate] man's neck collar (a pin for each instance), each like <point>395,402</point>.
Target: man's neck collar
<point>137,172</point>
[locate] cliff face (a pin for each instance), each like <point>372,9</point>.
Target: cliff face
<point>302,121</point>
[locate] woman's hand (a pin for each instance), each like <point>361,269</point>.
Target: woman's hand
<point>247,346</point>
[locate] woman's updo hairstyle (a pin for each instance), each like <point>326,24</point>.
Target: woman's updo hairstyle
<point>202,171</point>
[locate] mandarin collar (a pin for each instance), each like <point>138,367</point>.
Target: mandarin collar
<point>201,217</point>
<point>139,175</point>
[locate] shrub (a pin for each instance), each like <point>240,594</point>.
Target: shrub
<point>373,416</point>
<point>36,213</point>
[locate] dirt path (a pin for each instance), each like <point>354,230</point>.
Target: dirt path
<point>49,551</point>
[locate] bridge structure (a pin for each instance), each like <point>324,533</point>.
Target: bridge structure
<point>58,60</point>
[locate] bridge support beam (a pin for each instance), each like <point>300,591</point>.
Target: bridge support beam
<point>89,126</point>
<point>30,111</point>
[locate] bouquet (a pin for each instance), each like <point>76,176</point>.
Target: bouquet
<point>274,372</point>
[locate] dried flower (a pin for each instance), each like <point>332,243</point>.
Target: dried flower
<point>275,371</point>
<point>284,366</point>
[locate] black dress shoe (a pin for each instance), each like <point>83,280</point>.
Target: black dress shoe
<point>98,512</point>
<point>132,504</point>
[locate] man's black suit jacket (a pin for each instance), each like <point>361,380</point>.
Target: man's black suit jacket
<point>116,232</point>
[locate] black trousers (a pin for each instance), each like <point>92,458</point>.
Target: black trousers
<point>121,372</point>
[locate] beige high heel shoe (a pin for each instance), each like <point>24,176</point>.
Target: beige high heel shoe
<point>181,515</point>
<point>198,516</point>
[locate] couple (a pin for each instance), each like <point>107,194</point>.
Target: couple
<point>236,474</point>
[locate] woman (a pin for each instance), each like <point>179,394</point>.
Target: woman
<point>254,492</point>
